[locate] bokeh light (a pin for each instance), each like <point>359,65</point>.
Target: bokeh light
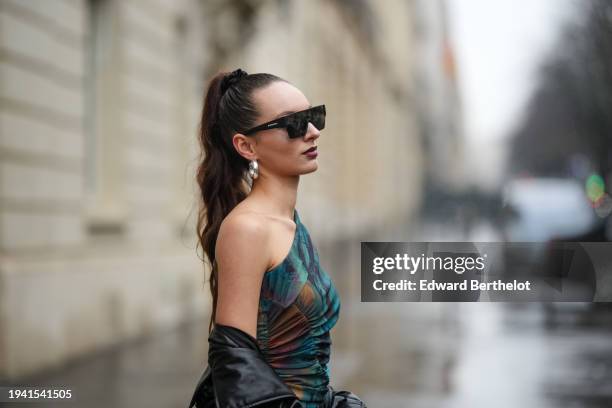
<point>595,188</point>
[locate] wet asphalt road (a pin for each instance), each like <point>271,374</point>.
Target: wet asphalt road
<point>405,355</point>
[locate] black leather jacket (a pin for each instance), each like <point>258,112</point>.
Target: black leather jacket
<point>237,376</point>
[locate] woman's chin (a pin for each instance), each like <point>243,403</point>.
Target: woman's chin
<point>311,168</point>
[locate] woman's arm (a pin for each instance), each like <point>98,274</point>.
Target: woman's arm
<point>239,374</point>
<point>243,255</point>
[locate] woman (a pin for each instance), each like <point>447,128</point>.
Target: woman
<point>270,296</point>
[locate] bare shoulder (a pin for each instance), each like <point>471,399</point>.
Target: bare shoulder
<point>243,238</point>
<point>240,220</point>
<point>243,226</point>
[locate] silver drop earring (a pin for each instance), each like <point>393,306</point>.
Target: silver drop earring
<point>253,169</point>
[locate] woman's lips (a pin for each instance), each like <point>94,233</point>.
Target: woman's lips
<point>311,153</point>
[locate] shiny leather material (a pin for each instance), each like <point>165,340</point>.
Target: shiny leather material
<point>237,376</point>
<point>342,399</point>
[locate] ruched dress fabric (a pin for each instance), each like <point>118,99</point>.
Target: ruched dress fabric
<point>298,306</point>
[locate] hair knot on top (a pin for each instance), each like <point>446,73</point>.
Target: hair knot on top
<point>232,79</point>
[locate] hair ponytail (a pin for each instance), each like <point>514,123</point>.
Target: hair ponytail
<point>221,176</point>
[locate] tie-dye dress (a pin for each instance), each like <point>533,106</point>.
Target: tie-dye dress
<point>298,306</point>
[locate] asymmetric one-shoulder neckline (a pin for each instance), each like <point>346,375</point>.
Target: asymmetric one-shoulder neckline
<point>296,220</point>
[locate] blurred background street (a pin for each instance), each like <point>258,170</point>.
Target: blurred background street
<point>448,120</point>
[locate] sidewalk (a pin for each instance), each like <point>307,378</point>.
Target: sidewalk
<point>157,372</point>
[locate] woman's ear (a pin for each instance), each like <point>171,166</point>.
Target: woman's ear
<point>244,146</point>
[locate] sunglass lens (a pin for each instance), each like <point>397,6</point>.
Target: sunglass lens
<point>318,118</point>
<point>302,126</point>
<point>297,125</point>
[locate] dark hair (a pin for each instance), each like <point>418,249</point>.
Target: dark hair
<point>228,109</point>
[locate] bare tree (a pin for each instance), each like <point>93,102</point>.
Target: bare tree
<point>571,110</point>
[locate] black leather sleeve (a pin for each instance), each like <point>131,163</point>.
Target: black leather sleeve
<point>238,376</point>
<point>204,396</point>
<point>346,399</point>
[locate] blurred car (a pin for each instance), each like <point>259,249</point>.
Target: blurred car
<point>547,209</point>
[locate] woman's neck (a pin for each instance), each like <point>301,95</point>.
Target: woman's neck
<point>276,195</point>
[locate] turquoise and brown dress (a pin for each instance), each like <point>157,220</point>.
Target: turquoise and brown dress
<point>298,306</point>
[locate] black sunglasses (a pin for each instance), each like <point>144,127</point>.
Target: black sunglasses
<point>295,123</point>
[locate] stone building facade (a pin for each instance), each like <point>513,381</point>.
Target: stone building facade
<point>99,108</point>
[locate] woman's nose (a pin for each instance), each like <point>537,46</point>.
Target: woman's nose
<point>312,132</point>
